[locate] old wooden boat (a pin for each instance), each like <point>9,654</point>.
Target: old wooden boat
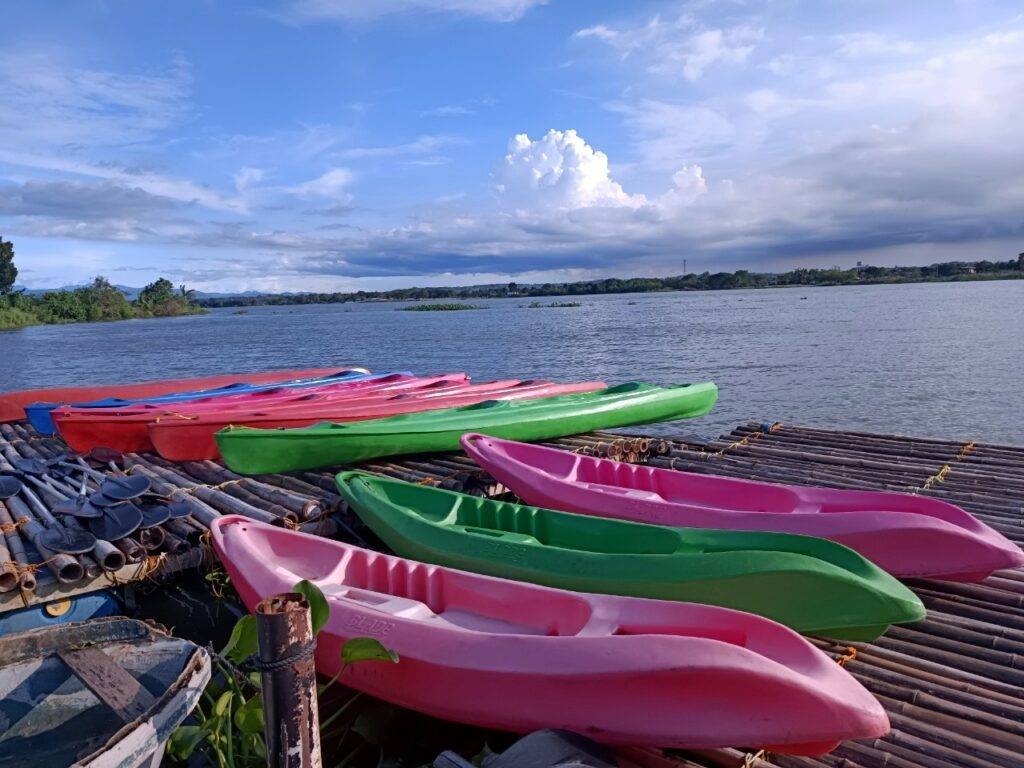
<point>252,451</point>
<point>811,585</point>
<point>516,656</point>
<point>907,535</point>
<point>105,693</point>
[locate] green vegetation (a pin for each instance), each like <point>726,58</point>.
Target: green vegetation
<point>95,302</point>
<point>438,308</point>
<point>952,271</point>
<point>228,729</point>
<point>553,304</point>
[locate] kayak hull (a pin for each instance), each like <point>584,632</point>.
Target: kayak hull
<point>40,416</point>
<point>908,536</point>
<point>128,429</point>
<point>195,439</point>
<point>251,451</point>
<point>620,670</point>
<point>12,404</point>
<point>811,585</point>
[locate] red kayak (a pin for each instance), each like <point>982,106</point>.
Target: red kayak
<point>12,404</point>
<point>518,657</point>
<point>125,428</point>
<point>250,400</point>
<point>192,438</point>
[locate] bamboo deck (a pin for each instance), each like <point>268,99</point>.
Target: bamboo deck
<point>953,685</point>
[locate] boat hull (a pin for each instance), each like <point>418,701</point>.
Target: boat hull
<point>195,439</point>
<point>908,536</point>
<point>811,585</point>
<point>40,417</point>
<point>251,451</point>
<point>128,429</point>
<point>12,404</point>
<point>512,656</point>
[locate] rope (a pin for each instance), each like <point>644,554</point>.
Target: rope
<point>750,760</point>
<point>12,527</point>
<point>945,469</point>
<point>175,415</point>
<point>850,655</point>
<point>258,665</point>
<point>764,429</point>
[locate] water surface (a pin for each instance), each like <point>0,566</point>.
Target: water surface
<point>943,359</point>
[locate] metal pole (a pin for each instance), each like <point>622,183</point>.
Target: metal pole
<point>286,645</point>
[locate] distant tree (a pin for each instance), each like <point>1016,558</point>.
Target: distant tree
<point>1020,261</point>
<point>156,294</point>
<point>8,272</point>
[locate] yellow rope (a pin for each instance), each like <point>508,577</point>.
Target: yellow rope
<point>12,527</point>
<point>850,655</point>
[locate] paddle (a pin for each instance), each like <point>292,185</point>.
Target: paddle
<point>116,521</point>
<point>79,506</point>
<point>9,486</point>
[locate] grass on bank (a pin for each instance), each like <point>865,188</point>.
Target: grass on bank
<point>438,308</point>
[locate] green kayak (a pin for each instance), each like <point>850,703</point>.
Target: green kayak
<point>813,585</point>
<point>254,451</point>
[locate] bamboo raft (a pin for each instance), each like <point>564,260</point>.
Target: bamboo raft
<point>953,685</point>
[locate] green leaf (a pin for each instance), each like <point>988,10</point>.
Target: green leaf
<point>223,704</point>
<point>243,642</point>
<point>249,716</point>
<point>319,610</point>
<point>184,741</point>
<point>359,649</point>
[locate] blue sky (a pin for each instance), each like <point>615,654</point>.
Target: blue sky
<point>338,144</point>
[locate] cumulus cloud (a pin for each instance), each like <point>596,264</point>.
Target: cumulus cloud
<point>361,10</point>
<point>558,170</point>
<point>679,47</point>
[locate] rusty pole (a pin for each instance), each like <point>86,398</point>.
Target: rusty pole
<point>286,645</point>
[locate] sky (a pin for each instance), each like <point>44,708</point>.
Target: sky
<point>336,145</point>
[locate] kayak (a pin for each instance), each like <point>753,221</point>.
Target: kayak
<point>192,439</point>
<point>391,382</point>
<point>38,414</point>
<point>908,536</point>
<point>12,404</point>
<point>517,657</point>
<point>253,451</point>
<point>127,429</point>
<point>811,585</point>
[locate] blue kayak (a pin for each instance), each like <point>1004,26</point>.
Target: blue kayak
<point>40,418</point>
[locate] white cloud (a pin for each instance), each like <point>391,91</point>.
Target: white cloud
<point>448,110</point>
<point>331,185</point>
<point>420,146</point>
<point>558,170</point>
<point>861,45</point>
<point>368,10</point>
<point>682,47</point>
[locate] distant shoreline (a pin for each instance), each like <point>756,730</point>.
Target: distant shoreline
<point>948,272</point>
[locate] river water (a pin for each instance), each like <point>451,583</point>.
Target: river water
<point>942,359</point>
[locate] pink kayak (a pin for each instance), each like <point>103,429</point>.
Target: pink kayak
<point>389,382</point>
<point>908,536</point>
<point>518,657</point>
<point>191,438</point>
<point>125,428</point>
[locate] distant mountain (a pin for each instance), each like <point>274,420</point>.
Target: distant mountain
<point>127,290</point>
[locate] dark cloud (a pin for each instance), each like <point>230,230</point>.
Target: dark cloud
<point>80,201</point>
